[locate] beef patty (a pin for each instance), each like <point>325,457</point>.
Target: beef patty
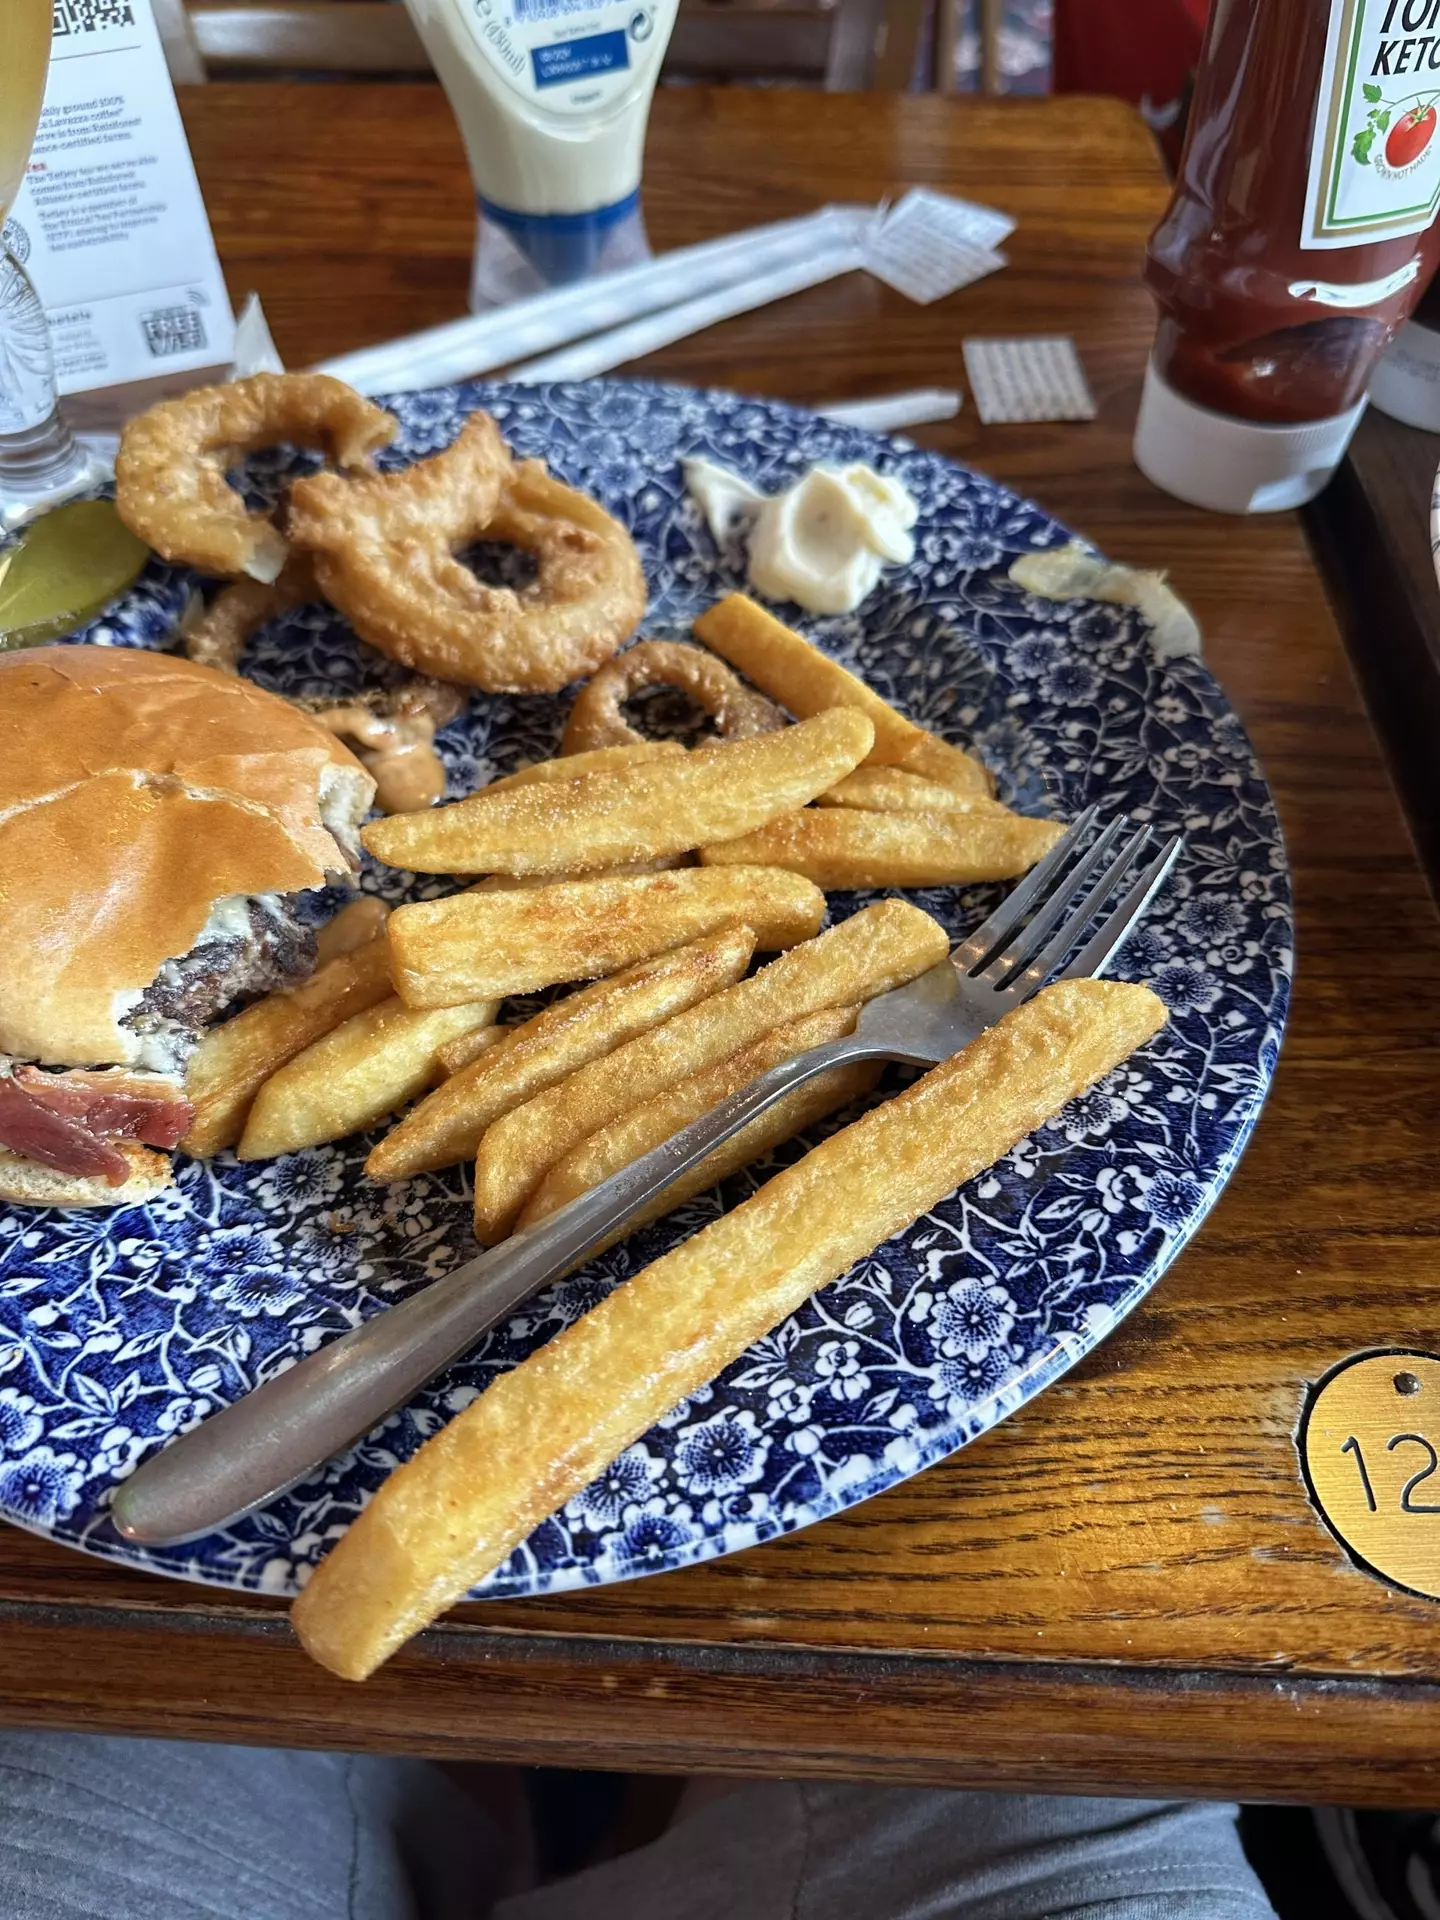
<point>274,949</point>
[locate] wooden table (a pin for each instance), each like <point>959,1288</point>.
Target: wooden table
<point>1125,1586</point>
<point>1371,529</point>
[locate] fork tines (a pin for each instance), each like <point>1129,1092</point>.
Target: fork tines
<point>1105,942</point>
<point>1030,933</point>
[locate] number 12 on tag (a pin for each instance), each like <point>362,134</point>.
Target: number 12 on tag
<point>1407,1504</point>
<point>1372,1468</point>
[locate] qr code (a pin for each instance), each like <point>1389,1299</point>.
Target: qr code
<point>173,330</point>
<point>88,16</point>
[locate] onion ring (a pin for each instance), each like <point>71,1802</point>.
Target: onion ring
<point>385,556</point>
<point>170,485</point>
<point>218,637</point>
<point>596,720</point>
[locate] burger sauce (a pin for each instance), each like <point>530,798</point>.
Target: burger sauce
<point>1299,237</point>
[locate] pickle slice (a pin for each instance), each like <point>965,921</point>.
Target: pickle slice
<point>64,570</point>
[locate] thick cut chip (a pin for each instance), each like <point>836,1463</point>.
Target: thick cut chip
<point>879,948</point>
<point>345,1082</point>
<point>642,812</point>
<point>468,1047</point>
<point>785,665</point>
<point>482,946</point>
<point>827,1093</point>
<point>657,1120</point>
<point>892,790</point>
<point>351,927</point>
<point>235,1059</point>
<point>578,1029</point>
<point>932,758</point>
<point>505,882</point>
<point>573,766</point>
<point>842,847</point>
<point>543,1431</point>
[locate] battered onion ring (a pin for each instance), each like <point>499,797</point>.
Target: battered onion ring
<point>596,720</point>
<point>218,637</point>
<point>384,555</point>
<point>170,485</point>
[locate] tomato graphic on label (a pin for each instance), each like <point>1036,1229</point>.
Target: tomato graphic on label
<point>1410,136</point>
<point>1407,133</point>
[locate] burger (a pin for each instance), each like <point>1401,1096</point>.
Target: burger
<point>160,827</point>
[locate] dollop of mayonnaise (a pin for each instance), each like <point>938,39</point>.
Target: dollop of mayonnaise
<point>820,543</point>
<point>727,502</point>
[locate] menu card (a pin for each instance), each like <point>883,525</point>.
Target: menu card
<point>109,223</point>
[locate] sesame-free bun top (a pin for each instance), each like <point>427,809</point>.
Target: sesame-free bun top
<point>137,790</point>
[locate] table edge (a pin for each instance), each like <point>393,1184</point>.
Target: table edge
<point>564,1699</point>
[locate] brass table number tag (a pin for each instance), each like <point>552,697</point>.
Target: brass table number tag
<point>1370,1449</point>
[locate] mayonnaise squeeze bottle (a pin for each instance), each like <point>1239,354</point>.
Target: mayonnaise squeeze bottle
<point>552,99</point>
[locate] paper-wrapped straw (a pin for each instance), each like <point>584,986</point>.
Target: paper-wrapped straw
<point>657,330</point>
<point>926,244</point>
<point>462,348</point>
<point>890,411</point>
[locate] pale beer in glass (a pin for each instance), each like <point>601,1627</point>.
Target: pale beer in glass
<point>41,463</point>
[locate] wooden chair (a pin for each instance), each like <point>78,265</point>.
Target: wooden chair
<point>177,36</point>
<point>988,17</point>
<point>841,45</point>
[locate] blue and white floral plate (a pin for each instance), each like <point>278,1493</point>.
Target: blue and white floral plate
<point>119,1329</point>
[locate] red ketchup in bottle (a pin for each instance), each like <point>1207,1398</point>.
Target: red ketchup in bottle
<point>1300,235</point>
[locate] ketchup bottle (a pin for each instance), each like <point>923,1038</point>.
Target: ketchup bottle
<point>1300,235</point>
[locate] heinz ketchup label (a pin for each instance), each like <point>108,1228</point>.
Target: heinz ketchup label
<point>1375,153</point>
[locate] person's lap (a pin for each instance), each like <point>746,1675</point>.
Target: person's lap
<point>146,1830</point>
<point>158,1830</point>
<point>801,1851</point>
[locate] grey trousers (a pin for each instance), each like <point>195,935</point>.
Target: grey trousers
<point>107,1829</point>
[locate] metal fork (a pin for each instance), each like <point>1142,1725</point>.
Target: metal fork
<point>284,1430</point>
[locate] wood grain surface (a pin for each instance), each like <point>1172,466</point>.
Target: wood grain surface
<point>1125,1585</point>
<point>1371,530</point>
